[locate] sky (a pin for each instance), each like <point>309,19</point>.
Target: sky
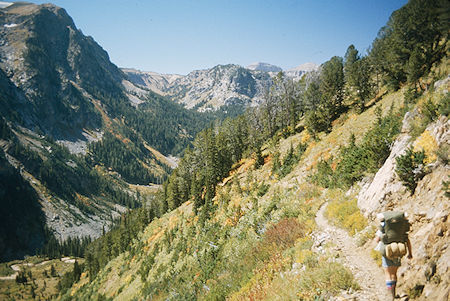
<point>179,36</point>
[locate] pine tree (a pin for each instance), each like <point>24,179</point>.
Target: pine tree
<point>332,86</point>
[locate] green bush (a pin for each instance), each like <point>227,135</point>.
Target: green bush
<point>446,187</point>
<point>353,161</point>
<point>429,112</point>
<point>292,157</point>
<point>411,95</point>
<point>410,168</point>
<point>326,277</point>
<point>324,176</point>
<point>444,105</point>
<point>262,189</point>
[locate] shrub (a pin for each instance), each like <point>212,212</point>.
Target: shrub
<point>278,238</point>
<point>284,233</point>
<point>365,235</point>
<point>428,113</point>
<point>324,175</point>
<point>443,153</point>
<point>345,213</point>
<point>5,270</point>
<point>444,105</point>
<point>415,291</point>
<point>410,168</point>
<point>292,157</point>
<point>411,95</point>
<point>353,161</point>
<point>327,277</point>
<point>376,256</point>
<point>262,189</point>
<point>259,159</point>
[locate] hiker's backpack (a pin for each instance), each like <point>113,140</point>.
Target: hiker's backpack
<point>396,227</point>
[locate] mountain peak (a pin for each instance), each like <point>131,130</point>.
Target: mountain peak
<point>266,67</point>
<point>306,67</point>
<point>299,71</point>
<point>4,4</point>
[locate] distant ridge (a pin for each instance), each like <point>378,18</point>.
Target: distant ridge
<point>300,70</point>
<point>266,67</point>
<point>213,88</point>
<point>5,4</point>
<point>305,67</point>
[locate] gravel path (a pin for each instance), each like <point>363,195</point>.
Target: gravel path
<point>369,276</point>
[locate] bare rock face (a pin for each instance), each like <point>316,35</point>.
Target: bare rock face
<point>385,190</point>
<point>301,70</point>
<point>264,67</point>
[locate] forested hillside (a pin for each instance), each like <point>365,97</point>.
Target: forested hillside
<point>237,218</point>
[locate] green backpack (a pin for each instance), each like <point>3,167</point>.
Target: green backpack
<point>396,227</point>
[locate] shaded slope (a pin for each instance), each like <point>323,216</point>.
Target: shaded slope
<point>22,222</point>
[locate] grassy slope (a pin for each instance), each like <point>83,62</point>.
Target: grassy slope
<point>45,285</point>
<point>179,245</point>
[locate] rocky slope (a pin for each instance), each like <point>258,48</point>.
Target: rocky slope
<point>208,89</point>
<point>220,86</point>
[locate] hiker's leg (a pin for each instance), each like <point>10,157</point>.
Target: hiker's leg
<point>390,272</point>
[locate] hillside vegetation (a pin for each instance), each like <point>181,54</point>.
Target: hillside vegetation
<point>237,218</point>
<point>242,202</point>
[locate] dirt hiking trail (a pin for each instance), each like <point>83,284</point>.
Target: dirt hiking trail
<point>367,274</point>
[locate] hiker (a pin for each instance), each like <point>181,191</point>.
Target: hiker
<point>393,242</point>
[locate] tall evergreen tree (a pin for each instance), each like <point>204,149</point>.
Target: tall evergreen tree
<point>332,86</point>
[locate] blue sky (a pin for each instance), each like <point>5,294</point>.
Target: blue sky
<point>169,36</point>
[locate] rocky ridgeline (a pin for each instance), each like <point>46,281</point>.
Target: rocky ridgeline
<point>222,85</point>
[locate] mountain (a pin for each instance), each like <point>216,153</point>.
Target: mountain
<point>265,67</point>
<point>78,133</point>
<point>279,203</point>
<point>219,87</point>
<point>209,89</point>
<point>299,71</point>
<point>159,83</point>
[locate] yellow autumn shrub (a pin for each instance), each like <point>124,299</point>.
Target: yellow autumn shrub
<point>427,143</point>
